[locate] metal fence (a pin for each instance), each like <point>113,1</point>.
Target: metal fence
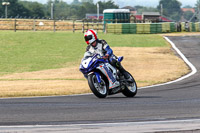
<point>51,25</point>
<point>110,26</point>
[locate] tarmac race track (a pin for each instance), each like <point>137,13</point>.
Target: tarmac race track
<point>177,101</point>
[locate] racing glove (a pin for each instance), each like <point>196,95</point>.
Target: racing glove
<point>106,56</point>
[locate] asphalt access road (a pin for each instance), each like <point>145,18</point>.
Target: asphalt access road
<point>179,100</point>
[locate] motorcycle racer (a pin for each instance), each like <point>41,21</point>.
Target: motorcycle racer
<point>97,46</point>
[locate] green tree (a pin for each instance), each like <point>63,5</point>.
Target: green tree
<point>107,5</point>
<point>85,1</point>
<point>17,9</point>
<point>141,9</point>
<point>76,9</point>
<point>197,8</point>
<point>36,9</point>
<point>187,6</point>
<point>188,15</point>
<point>11,12</point>
<point>60,9</point>
<point>2,11</point>
<point>171,8</point>
<point>75,2</point>
<point>197,4</point>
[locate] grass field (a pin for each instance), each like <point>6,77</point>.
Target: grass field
<point>46,63</point>
<point>33,51</point>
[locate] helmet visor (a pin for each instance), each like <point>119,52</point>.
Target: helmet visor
<point>87,38</point>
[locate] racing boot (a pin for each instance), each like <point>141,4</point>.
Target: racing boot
<point>123,71</point>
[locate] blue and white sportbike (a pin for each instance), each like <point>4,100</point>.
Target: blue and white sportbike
<point>104,79</point>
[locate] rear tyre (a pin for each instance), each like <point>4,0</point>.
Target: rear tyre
<point>130,88</point>
<point>100,90</point>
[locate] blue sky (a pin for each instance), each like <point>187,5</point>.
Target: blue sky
<point>121,3</point>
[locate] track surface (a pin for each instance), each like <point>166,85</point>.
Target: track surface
<point>179,100</point>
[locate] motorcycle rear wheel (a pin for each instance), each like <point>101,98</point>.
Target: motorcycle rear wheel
<point>130,89</point>
<point>99,90</point>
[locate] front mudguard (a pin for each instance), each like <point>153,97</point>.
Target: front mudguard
<point>97,75</point>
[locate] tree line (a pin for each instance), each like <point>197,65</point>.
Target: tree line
<point>75,10</point>
<point>78,9</point>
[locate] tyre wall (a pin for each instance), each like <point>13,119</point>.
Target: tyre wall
<point>151,28</point>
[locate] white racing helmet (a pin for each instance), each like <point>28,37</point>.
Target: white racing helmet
<point>90,36</point>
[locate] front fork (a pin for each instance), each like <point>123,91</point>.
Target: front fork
<point>98,77</point>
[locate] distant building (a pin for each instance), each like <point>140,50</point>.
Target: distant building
<point>132,9</point>
<point>151,16</point>
<point>188,9</point>
<point>140,19</point>
<point>165,19</point>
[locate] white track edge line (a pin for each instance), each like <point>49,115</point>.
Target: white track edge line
<point>185,121</point>
<point>192,67</point>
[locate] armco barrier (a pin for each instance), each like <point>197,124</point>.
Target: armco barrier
<point>150,28</point>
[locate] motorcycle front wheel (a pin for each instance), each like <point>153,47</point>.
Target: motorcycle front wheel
<point>100,90</point>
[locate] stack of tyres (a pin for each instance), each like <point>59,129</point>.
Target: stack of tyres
<point>159,28</point>
<point>193,27</point>
<point>126,28</point>
<point>172,27</point>
<point>146,28</point>
<point>190,27</point>
<point>153,28</point>
<point>140,28</point>
<point>110,28</point>
<point>183,26</point>
<point>165,27</point>
<point>197,26</point>
<point>143,28</point>
<point>129,28</point>
<point>133,28</point>
<point>118,28</point>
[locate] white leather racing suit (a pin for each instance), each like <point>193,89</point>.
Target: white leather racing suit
<point>101,48</point>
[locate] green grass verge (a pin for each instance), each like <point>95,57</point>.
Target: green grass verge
<point>33,51</point>
<point>135,40</point>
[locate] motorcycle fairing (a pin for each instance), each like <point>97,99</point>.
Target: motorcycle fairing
<point>111,76</point>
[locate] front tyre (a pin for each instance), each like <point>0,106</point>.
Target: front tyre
<point>130,88</point>
<point>99,89</point>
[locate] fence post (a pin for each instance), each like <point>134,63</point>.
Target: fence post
<point>92,23</point>
<point>87,24</point>
<point>54,25</point>
<point>97,25</point>
<point>73,26</point>
<point>15,25</point>
<point>105,26</point>
<point>33,24</point>
<point>83,26</point>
